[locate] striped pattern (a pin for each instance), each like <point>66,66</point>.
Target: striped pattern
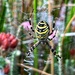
<point>42,30</point>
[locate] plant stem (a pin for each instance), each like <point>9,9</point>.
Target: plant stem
<point>35,21</point>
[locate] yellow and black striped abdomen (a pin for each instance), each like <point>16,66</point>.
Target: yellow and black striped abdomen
<point>42,30</point>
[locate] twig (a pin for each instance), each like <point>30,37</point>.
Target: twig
<point>34,69</point>
<point>50,7</point>
<point>69,5</point>
<point>67,27</point>
<point>47,63</point>
<point>56,6</point>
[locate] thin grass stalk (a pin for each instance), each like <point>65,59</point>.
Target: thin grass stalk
<point>47,63</point>
<point>35,22</point>
<point>2,17</point>
<point>8,17</point>
<point>12,64</point>
<point>50,7</point>
<point>71,14</point>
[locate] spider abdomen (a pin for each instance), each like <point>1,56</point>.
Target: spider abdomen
<point>42,30</point>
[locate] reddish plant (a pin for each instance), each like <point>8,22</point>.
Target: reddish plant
<point>7,40</point>
<point>72,52</point>
<point>6,69</point>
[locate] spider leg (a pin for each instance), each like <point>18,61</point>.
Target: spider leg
<point>31,33</point>
<point>33,47</point>
<point>52,34</point>
<point>31,24</point>
<point>53,51</point>
<point>32,29</point>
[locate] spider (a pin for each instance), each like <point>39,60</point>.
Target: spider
<point>43,35</point>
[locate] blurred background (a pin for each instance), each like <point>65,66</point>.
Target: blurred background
<point>57,13</point>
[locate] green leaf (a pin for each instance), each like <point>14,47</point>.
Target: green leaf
<point>2,18</point>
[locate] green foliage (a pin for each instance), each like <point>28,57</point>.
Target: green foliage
<point>2,17</point>
<point>2,62</point>
<point>65,48</point>
<point>69,12</point>
<point>14,68</point>
<point>66,1</point>
<point>67,41</point>
<point>40,2</point>
<point>55,13</point>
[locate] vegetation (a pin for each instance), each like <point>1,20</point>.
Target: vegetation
<point>14,12</point>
